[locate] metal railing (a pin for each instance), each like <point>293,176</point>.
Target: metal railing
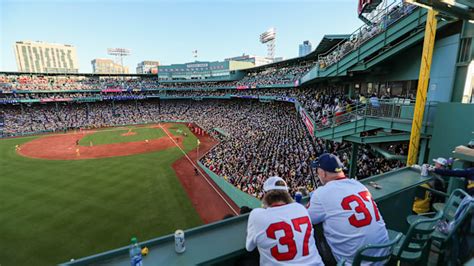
<point>381,21</point>
<point>391,108</point>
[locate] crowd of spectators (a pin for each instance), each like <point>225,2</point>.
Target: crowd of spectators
<point>398,148</point>
<point>369,163</point>
<point>263,140</point>
<point>26,82</point>
<point>277,74</point>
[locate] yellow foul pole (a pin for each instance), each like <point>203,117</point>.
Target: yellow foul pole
<point>422,91</point>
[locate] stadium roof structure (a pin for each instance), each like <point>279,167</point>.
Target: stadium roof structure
<point>327,42</point>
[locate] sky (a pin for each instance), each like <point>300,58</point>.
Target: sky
<point>169,30</point>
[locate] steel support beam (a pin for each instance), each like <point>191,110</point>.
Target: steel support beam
<point>377,139</point>
<point>423,149</point>
<point>353,165</point>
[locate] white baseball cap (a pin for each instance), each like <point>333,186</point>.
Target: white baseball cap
<point>270,184</point>
<point>441,161</point>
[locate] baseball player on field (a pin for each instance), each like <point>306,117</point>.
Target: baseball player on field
<point>349,215</point>
<point>282,230</point>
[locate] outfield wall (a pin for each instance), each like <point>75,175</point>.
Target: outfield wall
<point>239,197</point>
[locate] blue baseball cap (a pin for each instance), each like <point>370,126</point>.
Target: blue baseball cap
<point>329,162</point>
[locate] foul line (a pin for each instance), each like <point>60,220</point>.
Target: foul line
<point>199,170</point>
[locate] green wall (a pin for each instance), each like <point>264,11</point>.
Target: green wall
<point>454,126</point>
<point>239,197</point>
<point>442,68</point>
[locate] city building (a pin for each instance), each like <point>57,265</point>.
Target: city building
<point>255,59</point>
<point>107,66</point>
<point>305,48</point>
<point>201,69</point>
<point>148,67</point>
<point>42,57</point>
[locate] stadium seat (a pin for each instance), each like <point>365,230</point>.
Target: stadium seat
<point>442,241</point>
<point>412,247</point>
<point>448,209</point>
<point>394,238</point>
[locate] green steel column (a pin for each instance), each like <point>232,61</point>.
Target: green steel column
<point>465,55</point>
<point>351,90</point>
<point>326,143</point>
<point>423,149</point>
<point>353,166</point>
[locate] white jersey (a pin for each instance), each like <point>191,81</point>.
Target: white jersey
<point>283,235</point>
<point>350,218</point>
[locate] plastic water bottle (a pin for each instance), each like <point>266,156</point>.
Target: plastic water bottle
<point>135,253</point>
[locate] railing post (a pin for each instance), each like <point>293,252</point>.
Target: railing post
<point>353,165</point>
<point>358,54</point>
<point>356,114</point>
<point>393,110</point>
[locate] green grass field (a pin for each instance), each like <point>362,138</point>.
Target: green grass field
<point>52,211</point>
<point>115,136</point>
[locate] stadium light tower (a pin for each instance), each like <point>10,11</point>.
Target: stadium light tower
<point>269,38</point>
<point>119,53</point>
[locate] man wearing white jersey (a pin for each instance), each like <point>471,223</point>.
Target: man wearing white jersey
<point>349,215</point>
<point>282,230</point>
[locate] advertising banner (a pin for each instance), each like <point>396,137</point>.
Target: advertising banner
<point>307,121</point>
<point>7,101</point>
<point>47,100</point>
<point>245,96</point>
<point>112,90</point>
